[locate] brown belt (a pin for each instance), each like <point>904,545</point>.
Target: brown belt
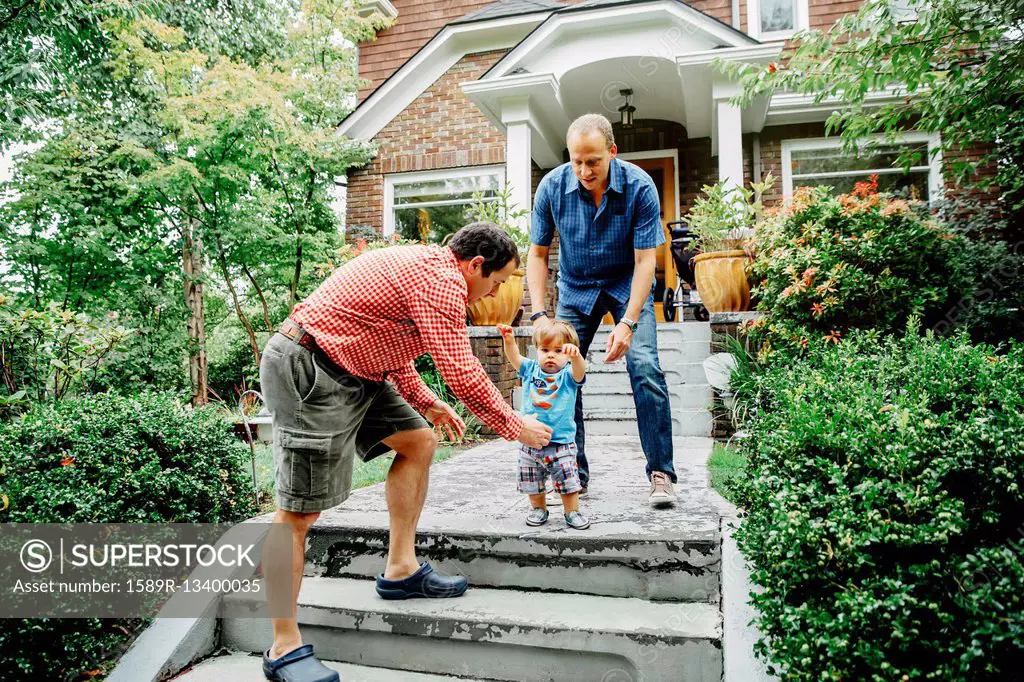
<point>299,335</point>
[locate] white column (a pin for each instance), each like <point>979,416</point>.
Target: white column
<point>729,136</point>
<point>515,114</point>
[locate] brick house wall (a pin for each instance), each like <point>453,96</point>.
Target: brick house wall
<point>440,129</point>
<point>418,21</point>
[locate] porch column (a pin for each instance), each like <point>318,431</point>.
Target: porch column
<point>515,114</point>
<point>728,134</point>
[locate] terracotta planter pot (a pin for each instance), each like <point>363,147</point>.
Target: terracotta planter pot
<point>722,281</point>
<point>500,309</point>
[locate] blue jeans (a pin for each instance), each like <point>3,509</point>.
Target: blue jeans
<point>650,392</point>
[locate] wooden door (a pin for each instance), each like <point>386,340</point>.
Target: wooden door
<point>662,170</point>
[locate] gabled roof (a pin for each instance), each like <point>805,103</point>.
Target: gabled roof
<point>519,25</point>
<point>509,8</point>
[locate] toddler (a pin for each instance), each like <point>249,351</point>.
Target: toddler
<point>550,384</point>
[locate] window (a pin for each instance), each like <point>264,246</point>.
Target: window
<point>776,19</point>
<point>810,163</point>
<point>431,205</point>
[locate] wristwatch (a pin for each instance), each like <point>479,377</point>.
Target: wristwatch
<point>629,323</point>
<point>539,313</point>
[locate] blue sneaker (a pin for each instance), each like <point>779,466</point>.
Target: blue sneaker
<point>575,519</point>
<point>422,583</point>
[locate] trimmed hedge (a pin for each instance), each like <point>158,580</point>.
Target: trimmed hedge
<point>885,503</point>
<point>111,459</point>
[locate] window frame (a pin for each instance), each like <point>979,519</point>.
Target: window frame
<point>936,183</point>
<point>802,21</point>
<point>393,179</point>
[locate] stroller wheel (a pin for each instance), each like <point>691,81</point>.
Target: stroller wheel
<point>701,314</point>
<point>668,302</point>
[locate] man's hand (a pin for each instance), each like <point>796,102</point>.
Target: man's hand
<point>446,422</point>
<point>542,321</point>
<point>619,342</point>
<point>534,434</point>
<point>571,350</point>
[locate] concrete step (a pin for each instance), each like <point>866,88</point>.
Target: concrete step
<point>687,352</point>
<point>239,667</point>
<point>615,374</point>
<point>622,422</point>
<point>494,634</point>
<point>670,334</point>
<point>685,566</point>
<point>681,396</point>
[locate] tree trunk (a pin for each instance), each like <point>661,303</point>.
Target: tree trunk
<point>310,189</point>
<point>263,299</point>
<point>192,253</point>
<point>222,259</point>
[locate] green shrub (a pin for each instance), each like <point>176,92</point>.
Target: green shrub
<point>829,264</point>
<point>107,458</point>
<point>989,272</point>
<point>885,503</point>
<point>436,383</point>
<point>51,352</point>
<point>113,459</point>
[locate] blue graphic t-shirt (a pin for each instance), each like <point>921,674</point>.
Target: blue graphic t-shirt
<point>551,398</point>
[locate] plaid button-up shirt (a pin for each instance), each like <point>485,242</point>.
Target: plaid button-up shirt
<point>380,311</point>
<point>596,251</point>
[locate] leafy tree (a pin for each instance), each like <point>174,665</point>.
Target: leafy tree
<point>219,146</point>
<point>956,66</point>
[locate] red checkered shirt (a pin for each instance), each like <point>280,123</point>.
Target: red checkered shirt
<point>383,309</point>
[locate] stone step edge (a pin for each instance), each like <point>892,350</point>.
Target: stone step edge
<point>631,618</point>
<point>240,666</point>
<point>641,554</point>
<point>619,413</point>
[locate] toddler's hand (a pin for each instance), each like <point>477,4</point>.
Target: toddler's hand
<point>505,330</point>
<point>570,349</point>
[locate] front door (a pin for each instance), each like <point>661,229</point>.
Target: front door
<point>663,171</point>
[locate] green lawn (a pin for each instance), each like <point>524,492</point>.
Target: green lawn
<point>363,473</point>
<point>727,466</point>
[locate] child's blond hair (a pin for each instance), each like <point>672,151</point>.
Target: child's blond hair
<point>558,332</point>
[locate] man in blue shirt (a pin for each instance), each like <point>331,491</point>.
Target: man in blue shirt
<point>608,217</point>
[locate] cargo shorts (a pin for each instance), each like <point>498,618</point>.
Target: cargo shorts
<point>323,416</point>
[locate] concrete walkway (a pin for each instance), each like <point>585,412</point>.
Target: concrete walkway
<point>638,595</point>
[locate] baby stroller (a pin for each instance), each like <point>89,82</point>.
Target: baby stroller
<point>685,293</point>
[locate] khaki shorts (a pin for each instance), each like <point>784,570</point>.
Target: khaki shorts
<point>322,416</point>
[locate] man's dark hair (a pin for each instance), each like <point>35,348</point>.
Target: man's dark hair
<point>487,240</point>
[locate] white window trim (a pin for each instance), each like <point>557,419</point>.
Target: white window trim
<point>393,179</point>
<point>368,7</point>
<point>936,184</point>
<point>754,21</point>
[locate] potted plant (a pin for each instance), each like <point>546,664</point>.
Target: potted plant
<point>722,222</point>
<point>502,308</point>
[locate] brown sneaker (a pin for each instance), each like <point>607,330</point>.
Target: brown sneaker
<point>662,493</point>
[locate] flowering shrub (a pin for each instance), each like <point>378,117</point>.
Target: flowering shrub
<point>828,264</point>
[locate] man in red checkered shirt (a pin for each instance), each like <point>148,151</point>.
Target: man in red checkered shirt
<point>340,380</point>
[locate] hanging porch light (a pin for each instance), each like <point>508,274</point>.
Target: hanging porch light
<point>626,110</point>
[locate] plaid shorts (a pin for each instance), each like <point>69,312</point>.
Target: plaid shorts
<point>557,461</point>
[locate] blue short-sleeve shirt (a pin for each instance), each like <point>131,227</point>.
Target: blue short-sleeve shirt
<point>551,398</point>
<point>596,253</point>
